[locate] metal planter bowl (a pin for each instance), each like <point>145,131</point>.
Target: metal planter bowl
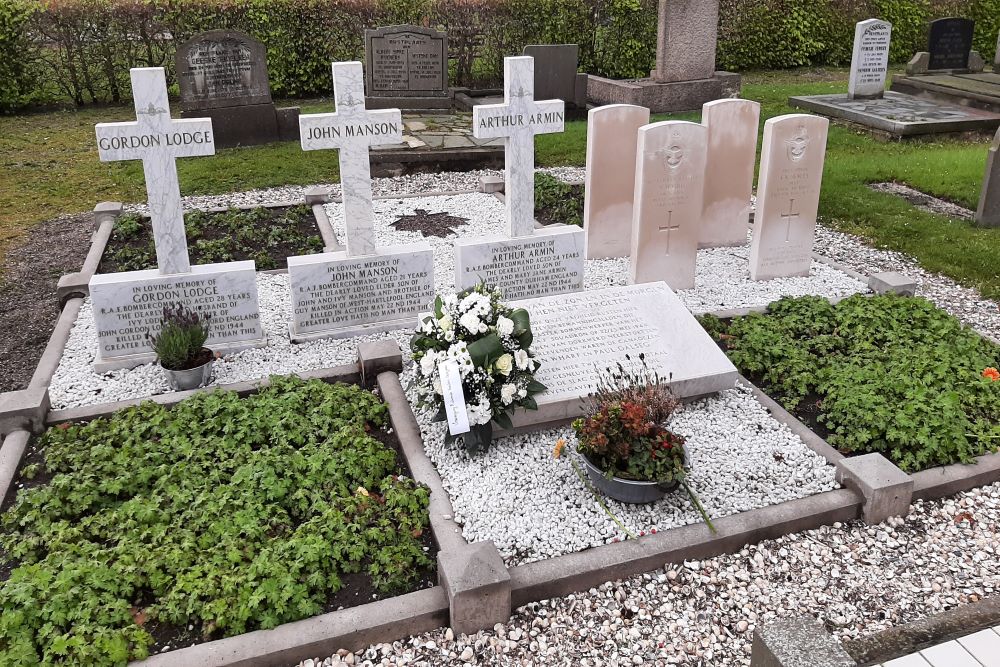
<point>626,490</point>
<point>191,378</point>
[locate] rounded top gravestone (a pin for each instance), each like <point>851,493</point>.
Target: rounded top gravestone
<point>949,43</point>
<point>222,68</point>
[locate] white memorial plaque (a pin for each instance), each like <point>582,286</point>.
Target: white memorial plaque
<point>549,262</point>
<point>127,305</point>
<point>334,295</point>
<point>870,59</point>
<point>577,336</point>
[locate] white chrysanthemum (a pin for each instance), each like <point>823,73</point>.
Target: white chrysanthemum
<point>446,323</point>
<point>507,393</point>
<point>428,363</point>
<point>470,321</point>
<point>505,326</point>
<point>449,336</point>
<point>521,358</point>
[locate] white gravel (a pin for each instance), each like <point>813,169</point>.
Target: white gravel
<point>534,506</point>
<point>857,579</point>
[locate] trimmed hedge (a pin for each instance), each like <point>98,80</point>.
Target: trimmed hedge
<point>80,50</point>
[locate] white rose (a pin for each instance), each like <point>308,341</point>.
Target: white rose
<point>470,322</point>
<point>521,358</point>
<point>505,365</point>
<point>446,323</point>
<point>507,393</point>
<point>505,326</point>
<point>427,364</point>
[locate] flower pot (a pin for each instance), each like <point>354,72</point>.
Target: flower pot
<point>626,490</point>
<point>191,378</point>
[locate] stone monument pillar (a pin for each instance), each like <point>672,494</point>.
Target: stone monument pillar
<point>685,76</point>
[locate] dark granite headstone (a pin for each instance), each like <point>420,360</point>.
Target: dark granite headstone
<point>406,66</point>
<point>949,43</point>
<point>555,73</point>
<point>223,76</point>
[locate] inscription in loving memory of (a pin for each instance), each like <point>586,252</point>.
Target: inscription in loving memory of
<point>527,269</point>
<point>221,68</point>
<point>874,54</point>
<point>407,61</point>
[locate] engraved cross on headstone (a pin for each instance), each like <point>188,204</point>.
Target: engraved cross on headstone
<point>517,121</point>
<point>157,140</point>
<point>788,217</point>
<point>669,228</point>
<point>352,129</point>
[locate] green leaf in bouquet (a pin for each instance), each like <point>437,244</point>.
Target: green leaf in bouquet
<point>503,420</point>
<point>522,321</point>
<point>440,416</point>
<point>528,403</point>
<point>438,307</point>
<point>486,348</point>
<point>535,387</point>
<point>525,340</point>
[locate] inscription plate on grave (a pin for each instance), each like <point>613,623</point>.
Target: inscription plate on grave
<point>222,68</point>
<point>336,295</point>
<point>405,61</point>
<point>949,43</point>
<point>577,336</point>
<point>549,262</point>
<point>127,305</point>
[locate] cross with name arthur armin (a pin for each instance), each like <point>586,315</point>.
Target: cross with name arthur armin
<point>517,121</point>
<point>157,140</point>
<point>352,129</point>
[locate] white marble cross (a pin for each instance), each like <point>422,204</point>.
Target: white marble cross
<point>156,139</point>
<point>352,129</point>
<point>517,121</point>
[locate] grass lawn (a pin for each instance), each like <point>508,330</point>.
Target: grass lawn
<point>49,166</point>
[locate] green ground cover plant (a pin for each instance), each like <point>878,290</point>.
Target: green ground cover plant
<point>886,374</point>
<point>222,513</point>
<point>267,236</point>
<point>557,202</point>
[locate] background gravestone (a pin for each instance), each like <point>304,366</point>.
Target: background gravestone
<point>406,66</point>
<point>223,75</point>
<point>949,43</point>
<point>870,59</point>
<point>988,211</point>
<point>556,75</point>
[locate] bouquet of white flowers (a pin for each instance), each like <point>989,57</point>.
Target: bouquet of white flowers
<point>490,342</point>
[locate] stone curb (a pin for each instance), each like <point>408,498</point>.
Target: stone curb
<point>404,423</point>
<point>352,629</point>
<point>555,577</point>
<point>937,629</point>
<point>799,641</point>
<point>348,373</point>
<point>950,479</point>
<point>11,453</point>
<point>78,284</point>
<point>49,360</point>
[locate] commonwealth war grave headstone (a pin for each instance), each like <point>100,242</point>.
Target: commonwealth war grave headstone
<point>407,66</point>
<point>732,155</point>
<point>127,305</point>
<point>223,76</point>
<point>791,172</point>
<point>612,135</point>
<point>870,59</point>
<point>669,187</point>
<point>579,335</point>
<point>365,288</point>
<point>527,263</point>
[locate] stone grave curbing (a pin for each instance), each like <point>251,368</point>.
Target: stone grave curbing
<point>799,641</point>
<point>406,67</point>
<point>988,210</point>
<point>887,489</point>
<point>892,282</point>
<point>477,584</point>
<point>223,75</point>
<point>78,284</point>
<point>685,76</point>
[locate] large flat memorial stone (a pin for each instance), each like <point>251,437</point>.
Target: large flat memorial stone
<point>127,305</point>
<point>549,262</point>
<point>577,336</point>
<point>335,295</point>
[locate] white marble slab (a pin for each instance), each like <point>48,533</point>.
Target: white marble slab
<point>549,262</point>
<point>732,155</point>
<point>576,336</point>
<point>517,121</point>
<point>157,140</point>
<point>666,218</point>
<point>352,130</point>
<point>127,305</point>
<point>791,172</point>
<point>335,295</point>
<point>612,137</point>
<point>870,59</point>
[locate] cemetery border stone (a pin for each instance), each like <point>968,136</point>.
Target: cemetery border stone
<point>732,155</point>
<point>406,66</point>
<point>669,189</point>
<point>988,211</point>
<point>609,192</point>
<point>128,305</point>
<point>528,263</point>
<point>222,75</point>
<point>788,188</point>
<point>870,59</point>
<point>363,288</point>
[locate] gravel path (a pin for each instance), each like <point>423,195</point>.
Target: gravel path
<point>858,579</point>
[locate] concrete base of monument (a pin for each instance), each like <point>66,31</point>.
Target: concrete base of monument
<point>662,97</point>
<point>351,332</point>
<point>409,103</point>
<point>102,365</point>
<point>899,114</point>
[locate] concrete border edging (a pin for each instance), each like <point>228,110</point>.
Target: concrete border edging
<point>799,641</point>
<point>11,452</point>
<point>78,284</point>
